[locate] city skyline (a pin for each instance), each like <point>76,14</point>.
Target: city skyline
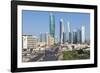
<point>33,19</point>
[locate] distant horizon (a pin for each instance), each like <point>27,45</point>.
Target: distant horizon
<point>36,22</point>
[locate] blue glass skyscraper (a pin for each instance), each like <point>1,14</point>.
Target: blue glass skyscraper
<point>52,25</point>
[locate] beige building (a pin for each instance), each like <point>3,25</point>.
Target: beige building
<point>50,40</point>
<point>29,42</point>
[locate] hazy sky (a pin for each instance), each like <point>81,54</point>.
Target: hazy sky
<point>35,22</point>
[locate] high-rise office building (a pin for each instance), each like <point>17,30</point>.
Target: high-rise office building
<point>52,25</point>
<point>69,33</point>
<point>83,33</point>
<point>64,37</point>
<point>74,37</point>
<point>46,38</point>
<point>79,36</point>
<point>61,31</point>
<point>42,37</point>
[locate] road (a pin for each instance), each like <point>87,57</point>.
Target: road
<point>37,58</point>
<point>51,54</point>
<point>47,55</point>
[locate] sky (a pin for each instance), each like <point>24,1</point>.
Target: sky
<point>34,22</point>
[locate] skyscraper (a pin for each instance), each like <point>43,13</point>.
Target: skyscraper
<point>40,37</point>
<point>52,25</point>
<point>69,33</point>
<point>79,36</point>
<point>83,33</point>
<point>46,38</point>
<point>43,37</point>
<point>61,31</point>
<point>64,37</point>
<point>74,37</point>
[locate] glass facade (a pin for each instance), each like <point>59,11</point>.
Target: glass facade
<point>52,25</point>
